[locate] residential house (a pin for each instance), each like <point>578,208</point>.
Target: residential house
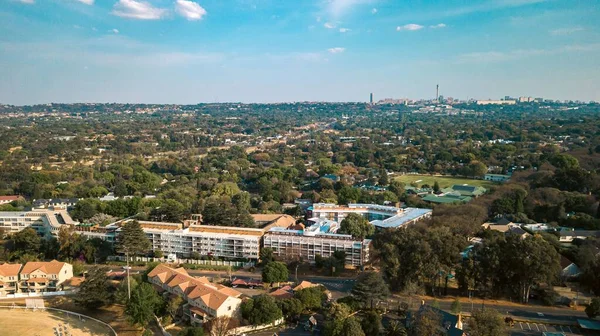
<point>516,230</point>
<point>569,236</point>
<point>10,198</point>
<point>9,278</point>
<point>450,324</point>
<point>204,300</point>
<point>38,276</point>
<point>569,269</point>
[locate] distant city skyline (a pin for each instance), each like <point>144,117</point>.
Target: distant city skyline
<point>187,52</point>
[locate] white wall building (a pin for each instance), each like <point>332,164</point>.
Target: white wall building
<point>46,222</point>
<point>289,244</point>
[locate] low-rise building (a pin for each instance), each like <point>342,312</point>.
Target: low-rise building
<point>9,279</point>
<point>10,198</point>
<point>381,216</point>
<point>38,276</point>
<point>46,223</point>
<point>569,236</point>
<point>204,300</point>
<point>496,177</point>
<point>55,203</point>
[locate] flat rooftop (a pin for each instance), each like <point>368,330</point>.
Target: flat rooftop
<point>407,216</point>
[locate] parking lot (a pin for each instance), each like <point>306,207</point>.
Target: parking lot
<point>523,328</point>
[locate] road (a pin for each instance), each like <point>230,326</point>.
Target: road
<point>340,287</point>
<point>541,314</point>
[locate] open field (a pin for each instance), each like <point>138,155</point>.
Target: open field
<point>17,322</point>
<point>444,181</point>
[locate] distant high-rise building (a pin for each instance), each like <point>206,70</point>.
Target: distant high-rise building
<point>437,92</point>
<point>371,100</point>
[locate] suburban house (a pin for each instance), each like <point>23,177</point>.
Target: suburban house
<point>9,278</point>
<point>450,324</point>
<point>569,269</point>
<point>8,199</point>
<point>569,236</point>
<point>205,300</point>
<point>39,276</point>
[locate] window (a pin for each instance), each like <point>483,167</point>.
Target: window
<point>229,308</point>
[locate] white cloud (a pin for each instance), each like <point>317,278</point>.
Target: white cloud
<point>329,25</point>
<point>141,10</point>
<point>189,9</point>
<point>409,27</point>
<point>29,2</point>
<point>87,2</point>
<point>344,30</point>
<point>337,50</point>
<point>116,31</point>
<point>517,54</point>
<point>340,7</point>
<point>439,25</point>
<point>566,31</point>
<point>374,11</point>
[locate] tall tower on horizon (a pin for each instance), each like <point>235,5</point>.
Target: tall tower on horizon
<point>437,92</point>
<point>371,99</point>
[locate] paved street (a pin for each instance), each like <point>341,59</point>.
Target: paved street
<point>526,329</point>
<point>540,313</point>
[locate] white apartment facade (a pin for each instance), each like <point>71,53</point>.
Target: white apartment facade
<point>45,222</point>
<point>306,245</point>
<point>206,240</point>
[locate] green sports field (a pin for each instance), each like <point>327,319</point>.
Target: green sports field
<point>442,180</point>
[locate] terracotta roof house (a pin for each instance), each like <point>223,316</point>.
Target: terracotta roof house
<point>205,300</point>
<point>10,198</point>
<point>282,293</point>
<point>9,278</point>
<point>38,276</point>
<point>305,284</point>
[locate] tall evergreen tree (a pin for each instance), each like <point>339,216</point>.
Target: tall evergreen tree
<point>94,291</point>
<point>132,239</point>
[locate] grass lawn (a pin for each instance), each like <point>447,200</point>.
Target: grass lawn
<point>444,181</point>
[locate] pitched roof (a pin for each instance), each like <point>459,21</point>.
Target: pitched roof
<point>212,295</point>
<point>282,293</point>
<point>10,269</point>
<point>49,267</point>
<point>10,198</point>
<point>305,284</point>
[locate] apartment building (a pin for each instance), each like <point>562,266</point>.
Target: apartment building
<point>46,223</point>
<point>217,241</point>
<point>9,278</point>
<point>36,276</point>
<point>291,244</point>
<point>204,300</point>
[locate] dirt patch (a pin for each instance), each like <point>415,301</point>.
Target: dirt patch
<point>45,322</point>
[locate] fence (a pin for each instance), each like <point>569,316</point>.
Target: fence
<point>245,329</point>
<point>69,313</point>
<point>186,261</point>
<point>30,295</point>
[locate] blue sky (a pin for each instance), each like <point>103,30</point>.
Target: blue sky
<point>180,51</point>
